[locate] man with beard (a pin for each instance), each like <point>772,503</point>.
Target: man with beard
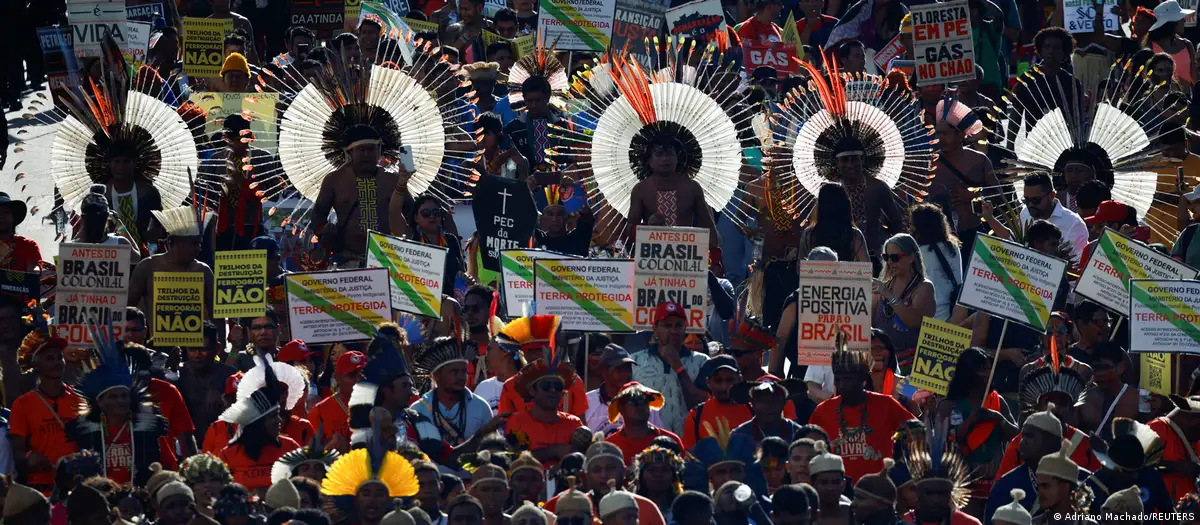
<point>872,204</point>
<point>605,471</point>
<point>489,484</point>
<point>264,340</point>
<point>717,378</point>
<point>1041,202</point>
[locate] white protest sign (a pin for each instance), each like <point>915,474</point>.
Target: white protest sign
<point>942,43</point>
<point>92,20</point>
<point>516,267</point>
<point>699,19</point>
<point>93,286</point>
<point>137,42</point>
<point>1164,316</point>
<point>338,306</point>
<point>590,295</point>
<point>672,266</point>
<point>577,25</point>
<point>1115,260</point>
<point>1011,281</point>
<point>417,272</point>
<point>834,297</point>
<point>1080,15</point>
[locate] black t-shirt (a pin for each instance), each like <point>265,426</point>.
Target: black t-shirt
<point>527,24</point>
<point>575,242</point>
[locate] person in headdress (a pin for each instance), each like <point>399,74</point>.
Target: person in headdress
<point>292,387</point>
<point>452,412</point>
<point>959,169</point>
<point>1180,432</point>
<point>185,227</point>
<point>387,384</point>
<point>605,468</point>
<point>633,404</point>
<point>205,474</point>
<point>37,421</point>
<point>1133,459</point>
<point>1044,390</point>
<point>483,77</point>
<point>239,208</point>
<point>1041,435</point>
<point>363,483</point>
<point>747,343</point>
<point>668,191</point>
<point>658,476</point>
<point>542,428</point>
<point>875,498</point>
<point>940,474</point>
<point>120,421</point>
<point>96,223</point>
<point>563,200</point>
<point>311,461</point>
<point>259,440</point>
<point>725,456</point>
<point>534,338</point>
<point>1060,492</point>
<point>860,423</point>
<point>537,84</point>
<point>332,414</point>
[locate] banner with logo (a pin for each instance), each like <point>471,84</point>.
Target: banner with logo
<point>779,55</point>
<point>1156,373</point>
<point>834,297</point>
<point>942,43</point>
<point>671,266</point>
<point>152,13</point>
<point>591,295</point>
<point>1080,15</point>
<point>325,17</point>
<point>577,25</point>
<point>261,108</point>
<point>1164,316</point>
<point>517,274</point>
<point>1117,259</point>
<point>892,50</point>
<point>93,20</point>
<point>179,309</point>
<point>137,43</point>
<point>337,306</point>
<point>417,272</point>
<point>635,21</point>
<point>1011,281</point>
<point>24,286</point>
<point>240,284</point>
<point>698,19</point>
<point>93,288</point>
<point>505,217</point>
<point>204,45</point>
<point>58,55</point>
<point>938,349</point>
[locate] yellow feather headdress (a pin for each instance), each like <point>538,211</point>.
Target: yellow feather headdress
<point>357,468</point>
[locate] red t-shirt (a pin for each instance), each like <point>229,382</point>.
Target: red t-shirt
<point>118,454</point>
<point>511,401</point>
<point>331,415</point>
<point>299,429</point>
<point>632,447</point>
<point>733,413</point>
<point>1175,449</point>
<point>821,22</point>
<point>754,32</point>
<point>33,419</point>
<point>1082,455</point>
<point>871,440</point>
<point>535,435</point>
<point>256,474</point>
<point>24,255</point>
<point>170,402</point>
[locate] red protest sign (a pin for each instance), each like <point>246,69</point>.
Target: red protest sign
<point>892,50</point>
<point>781,56</point>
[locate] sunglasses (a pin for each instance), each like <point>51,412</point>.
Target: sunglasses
<point>432,212</point>
<point>551,386</point>
<point>894,257</point>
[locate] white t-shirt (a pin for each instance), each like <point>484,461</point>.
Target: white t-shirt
<point>489,389</point>
<point>822,375</point>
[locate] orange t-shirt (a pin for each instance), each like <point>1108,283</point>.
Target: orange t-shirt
<point>299,429</point>
<point>756,33</point>
<point>33,419</point>
<point>256,474</point>
<point>535,435</point>
<point>733,413</point>
<point>332,416</point>
<point>632,447</point>
<point>170,403</point>
<point>648,513</point>
<point>218,436</point>
<point>1176,449</point>
<point>865,451</point>
<point>1082,455</point>
<point>511,401</point>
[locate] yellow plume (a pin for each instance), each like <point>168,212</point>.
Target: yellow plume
<point>352,470</point>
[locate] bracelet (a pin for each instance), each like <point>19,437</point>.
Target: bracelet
<point>681,370</point>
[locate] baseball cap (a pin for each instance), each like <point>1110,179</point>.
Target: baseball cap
<point>762,73</point>
<point>614,355</point>
<point>349,363</point>
<point>266,243</point>
<point>295,350</point>
<point>1109,211</point>
<point>668,309</point>
<point>711,366</point>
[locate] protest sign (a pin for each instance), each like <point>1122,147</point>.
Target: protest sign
<point>1189,20</point>
<point>525,45</point>
<point>490,7</point>
<point>1117,259</point>
<point>240,283</point>
<point>58,55</point>
<point>337,306</point>
<point>1080,15</point>
<point>634,21</point>
<point>325,17</point>
<point>1011,281</point>
<point>179,309</point>
<point>1156,373</point>
<point>698,19</point>
<point>1163,316</point>
<point>938,349</point>
<point>204,45</point>
<point>397,7</point>
<point>352,10</point>
<point>391,19</point>
<point>942,43</point>
<point>152,13</point>
<point>892,50</point>
<point>577,25</point>
<point>93,20</point>
<point>137,42</point>
<point>834,297</point>
<point>591,295</point>
<point>421,26</point>
<point>779,55</point>
<point>671,266</point>
<point>517,277</point>
<point>93,286</point>
<point>260,107</point>
<point>791,34</point>
<point>24,286</point>
<point>505,217</point>
<point>417,272</point>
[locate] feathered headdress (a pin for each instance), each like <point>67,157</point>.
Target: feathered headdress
<point>842,114</point>
<point>205,467</point>
<point>112,371</point>
<point>957,115</point>
<point>656,454</point>
<point>1113,132</point>
<point>285,467</point>
<point>638,110</point>
<point>531,332</point>
<point>534,331</point>
<point>847,361</point>
<point>259,404</point>
<point>42,337</point>
<point>634,391</point>
<point>721,446</point>
<point>1046,381</point>
<point>385,363</point>
<point>751,332</point>
<point>440,352</point>
<point>542,62</point>
<point>373,464</point>
<point>937,459</point>
<point>287,375</point>
<point>183,221</point>
<point>1134,445</point>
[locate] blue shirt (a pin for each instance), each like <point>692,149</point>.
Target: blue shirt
<point>448,423</point>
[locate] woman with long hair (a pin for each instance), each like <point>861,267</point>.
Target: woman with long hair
<point>427,220</point>
<point>258,441</point>
<point>903,296</point>
<point>833,226</point>
<point>940,249</point>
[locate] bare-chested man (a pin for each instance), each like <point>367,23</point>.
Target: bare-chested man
<point>361,192</point>
<point>184,237</point>
<point>957,170</point>
<point>677,199</point>
<point>872,204</point>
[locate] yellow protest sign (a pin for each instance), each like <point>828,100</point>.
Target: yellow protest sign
<point>204,45</point>
<point>239,287</point>
<point>1156,373</point>
<point>179,309</point>
<point>525,45</point>
<point>792,36</point>
<point>938,349</point>
<point>421,26</point>
<point>259,107</point>
<point>353,12</point>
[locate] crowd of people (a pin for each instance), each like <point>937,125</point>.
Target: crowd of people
<point>477,417</point>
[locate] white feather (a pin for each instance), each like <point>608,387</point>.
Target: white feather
<point>256,378</point>
<point>363,393</point>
